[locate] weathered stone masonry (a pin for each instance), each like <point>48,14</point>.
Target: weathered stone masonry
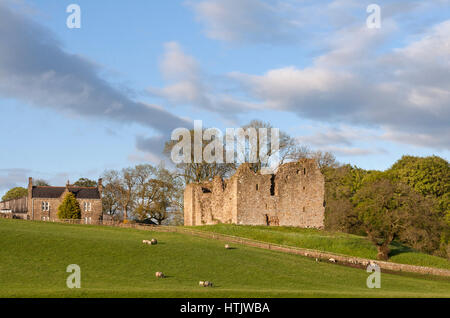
<point>294,196</point>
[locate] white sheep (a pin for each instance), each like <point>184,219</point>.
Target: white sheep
<point>159,274</point>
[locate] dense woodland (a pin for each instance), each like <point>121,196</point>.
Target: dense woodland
<point>408,203</point>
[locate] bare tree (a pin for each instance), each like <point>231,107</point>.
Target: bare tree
<point>111,194</point>
<point>158,192</point>
<point>286,143</point>
<point>203,171</point>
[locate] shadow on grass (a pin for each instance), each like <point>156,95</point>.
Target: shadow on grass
<point>397,248</point>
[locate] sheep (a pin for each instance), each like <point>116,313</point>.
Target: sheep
<point>227,246</point>
<point>153,242</point>
<point>159,274</point>
<point>207,284</point>
<point>332,260</point>
<point>146,241</point>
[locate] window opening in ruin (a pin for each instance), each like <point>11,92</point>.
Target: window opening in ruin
<point>304,188</point>
<point>304,170</point>
<point>257,187</point>
<point>206,190</point>
<point>272,185</point>
<point>303,209</point>
<point>267,220</point>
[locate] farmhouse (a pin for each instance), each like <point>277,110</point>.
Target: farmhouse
<point>42,202</point>
<point>294,196</point>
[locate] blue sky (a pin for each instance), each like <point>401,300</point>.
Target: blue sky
<point>75,102</point>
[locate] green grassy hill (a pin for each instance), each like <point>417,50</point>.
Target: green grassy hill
<point>115,263</point>
<point>335,242</point>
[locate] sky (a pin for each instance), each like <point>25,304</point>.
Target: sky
<point>75,102</point>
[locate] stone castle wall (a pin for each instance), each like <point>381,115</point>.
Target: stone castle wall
<point>294,196</point>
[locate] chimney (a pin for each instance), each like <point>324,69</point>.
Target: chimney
<point>67,185</point>
<point>30,186</point>
<point>100,186</point>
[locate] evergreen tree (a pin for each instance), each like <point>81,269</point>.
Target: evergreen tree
<point>69,208</point>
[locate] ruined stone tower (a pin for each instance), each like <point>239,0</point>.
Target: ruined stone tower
<point>294,196</point>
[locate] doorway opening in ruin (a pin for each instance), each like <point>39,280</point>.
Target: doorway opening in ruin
<point>206,190</point>
<point>272,220</point>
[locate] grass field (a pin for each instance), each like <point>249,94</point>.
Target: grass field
<point>334,242</point>
<point>115,263</point>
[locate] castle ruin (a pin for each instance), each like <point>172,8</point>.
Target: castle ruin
<point>294,196</point>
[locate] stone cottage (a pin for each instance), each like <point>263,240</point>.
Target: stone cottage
<point>294,196</point>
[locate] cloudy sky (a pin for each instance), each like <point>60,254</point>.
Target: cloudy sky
<point>74,102</point>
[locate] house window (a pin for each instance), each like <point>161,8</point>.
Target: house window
<point>87,206</point>
<point>45,206</point>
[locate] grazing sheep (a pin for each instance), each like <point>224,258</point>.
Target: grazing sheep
<point>159,274</point>
<point>332,260</point>
<point>306,254</point>
<point>146,241</point>
<point>317,259</point>
<point>153,242</point>
<point>205,284</point>
<point>227,246</point>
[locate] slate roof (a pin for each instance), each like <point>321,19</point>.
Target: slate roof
<point>56,192</point>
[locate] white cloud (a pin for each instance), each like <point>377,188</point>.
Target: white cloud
<point>406,91</point>
<point>241,21</point>
<point>189,85</point>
